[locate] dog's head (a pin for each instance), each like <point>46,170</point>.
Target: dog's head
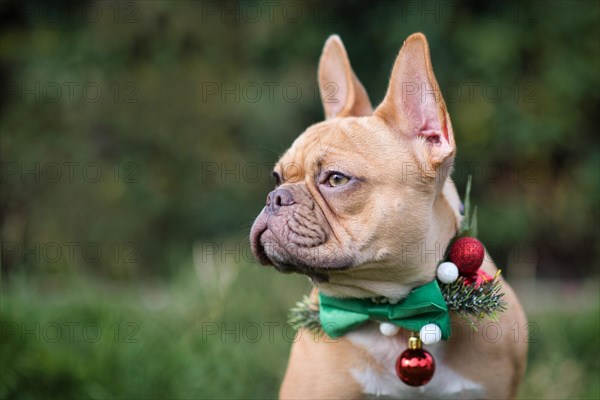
<point>358,201</point>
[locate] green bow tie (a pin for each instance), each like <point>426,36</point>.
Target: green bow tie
<point>424,305</point>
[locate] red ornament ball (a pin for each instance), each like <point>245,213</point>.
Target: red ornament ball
<point>467,253</point>
<point>415,367</point>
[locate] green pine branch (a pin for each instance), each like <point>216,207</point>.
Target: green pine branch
<point>468,227</point>
<point>472,302</point>
<point>304,316</point>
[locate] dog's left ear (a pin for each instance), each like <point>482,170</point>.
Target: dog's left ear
<point>341,92</point>
<point>414,107</point>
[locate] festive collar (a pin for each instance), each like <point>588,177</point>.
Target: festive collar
<point>460,287</point>
<point>424,305</point>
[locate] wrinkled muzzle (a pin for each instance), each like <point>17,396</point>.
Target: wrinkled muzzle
<point>292,234</point>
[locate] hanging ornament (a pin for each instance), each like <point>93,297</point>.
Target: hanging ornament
<point>467,253</point>
<point>447,272</point>
<point>415,366</point>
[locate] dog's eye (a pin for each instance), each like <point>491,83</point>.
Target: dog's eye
<point>277,178</point>
<point>336,179</point>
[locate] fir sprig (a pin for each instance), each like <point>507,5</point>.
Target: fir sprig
<point>304,315</point>
<point>472,301</point>
<point>468,226</point>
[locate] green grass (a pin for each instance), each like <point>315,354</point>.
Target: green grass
<point>177,340</point>
<point>564,356</point>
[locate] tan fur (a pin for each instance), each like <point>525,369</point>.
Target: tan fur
<point>318,369</point>
<point>391,225</point>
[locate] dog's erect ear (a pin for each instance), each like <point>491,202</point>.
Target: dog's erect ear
<point>414,105</point>
<point>341,92</point>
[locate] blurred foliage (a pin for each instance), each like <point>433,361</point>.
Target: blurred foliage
<point>178,162</point>
<point>69,340</point>
<point>177,340</point>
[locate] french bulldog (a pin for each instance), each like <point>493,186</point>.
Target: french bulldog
<point>364,205</point>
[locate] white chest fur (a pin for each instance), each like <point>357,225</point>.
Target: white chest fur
<point>383,382</point>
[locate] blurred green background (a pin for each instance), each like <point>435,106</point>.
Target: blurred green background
<point>136,146</point>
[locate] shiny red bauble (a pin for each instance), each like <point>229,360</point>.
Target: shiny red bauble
<point>415,367</point>
<point>467,253</point>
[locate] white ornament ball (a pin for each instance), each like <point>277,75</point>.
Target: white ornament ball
<point>388,329</point>
<point>430,334</point>
<point>447,272</point>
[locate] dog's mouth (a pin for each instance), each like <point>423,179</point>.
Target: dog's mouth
<point>259,227</point>
<point>271,246</point>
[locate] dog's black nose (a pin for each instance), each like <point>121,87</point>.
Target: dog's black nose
<point>279,198</point>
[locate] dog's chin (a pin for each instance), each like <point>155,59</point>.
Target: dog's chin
<point>287,266</point>
<point>291,258</point>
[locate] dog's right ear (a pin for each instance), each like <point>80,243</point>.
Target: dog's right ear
<point>341,92</point>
